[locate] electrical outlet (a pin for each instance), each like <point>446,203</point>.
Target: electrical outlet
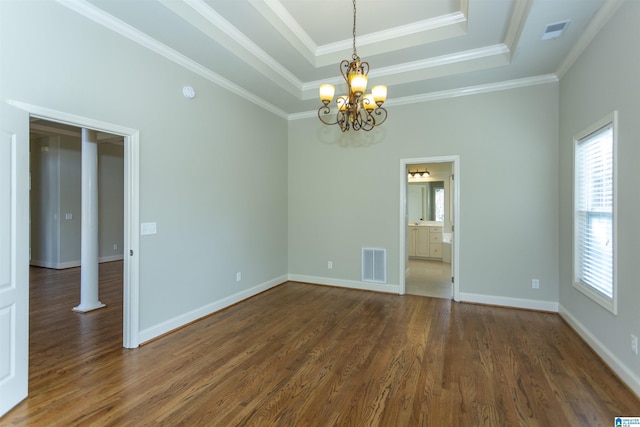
<point>115,246</point>
<point>634,344</point>
<point>238,276</point>
<point>329,265</point>
<point>535,283</point>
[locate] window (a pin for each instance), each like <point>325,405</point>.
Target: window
<point>594,212</point>
<point>439,204</point>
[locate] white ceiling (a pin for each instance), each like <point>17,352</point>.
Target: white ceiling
<point>277,52</point>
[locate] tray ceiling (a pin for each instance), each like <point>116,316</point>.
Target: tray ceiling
<point>277,52</point>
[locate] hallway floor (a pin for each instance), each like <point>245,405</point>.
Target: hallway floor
<point>429,278</point>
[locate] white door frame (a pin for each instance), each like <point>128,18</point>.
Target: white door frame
<point>131,305</point>
<point>455,159</point>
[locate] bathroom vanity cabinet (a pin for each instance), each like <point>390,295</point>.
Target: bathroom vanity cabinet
<point>425,241</point>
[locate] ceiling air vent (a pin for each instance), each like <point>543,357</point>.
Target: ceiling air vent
<point>553,31</point>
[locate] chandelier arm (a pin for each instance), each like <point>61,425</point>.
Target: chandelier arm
<point>361,119</point>
<point>325,111</point>
<point>382,113</point>
<point>365,68</point>
<point>344,70</point>
<point>368,121</point>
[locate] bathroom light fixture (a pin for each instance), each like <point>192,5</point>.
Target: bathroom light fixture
<point>356,110</point>
<point>418,174</point>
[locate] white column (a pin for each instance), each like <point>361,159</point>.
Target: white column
<point>89,239</point>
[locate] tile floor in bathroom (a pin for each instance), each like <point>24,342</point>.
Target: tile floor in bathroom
<point>429,278</point>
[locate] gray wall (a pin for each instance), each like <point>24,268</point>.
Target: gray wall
<point>44,200</point>
<point>110,200</point>
<point>56,191</point>
<point>604,79</point>
<point>215,181</point>
<point>344,191</point>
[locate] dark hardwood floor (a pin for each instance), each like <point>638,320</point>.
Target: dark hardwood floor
<point>301,355</point>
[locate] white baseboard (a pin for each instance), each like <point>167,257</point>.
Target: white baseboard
<point>43,264</point>
<point>624,372</point>
<point>351,284</point>
<point>111,258</point>
<point>528,304</point>
<point>72,264</point>
<point>183,319</point>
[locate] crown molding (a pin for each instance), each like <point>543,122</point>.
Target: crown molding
<point>475,90</point>
<point>280,18</point>
<point>404,36</point>
<point>396,33</point>
<point>440,61</point>
<point>454,93</point>
<point>223,32</point>
<point>517,23</point>
<point>429,67</point>
<point>603,15</point>
<point>100,17</point>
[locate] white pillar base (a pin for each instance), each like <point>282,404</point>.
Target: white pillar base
<point>86,308</point>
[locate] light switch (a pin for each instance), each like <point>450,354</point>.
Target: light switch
<point>68,216</point>
<point>147,228</point>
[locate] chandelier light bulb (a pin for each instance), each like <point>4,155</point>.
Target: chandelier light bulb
<point>326,93</point>
<point>379,94</point>
<point>359,84</point>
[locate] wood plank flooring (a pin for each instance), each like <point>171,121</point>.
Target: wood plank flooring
<point>304,355</point>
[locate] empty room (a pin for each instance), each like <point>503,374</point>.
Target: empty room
<point>270,257</point>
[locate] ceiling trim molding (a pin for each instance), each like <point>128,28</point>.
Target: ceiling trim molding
<point>394,33</point>
<point>603,15</point>
<point>475,90</point>
<point>406,32</point>
<point>278,16</point>
<point>237,43</point>
<point>108,21</point>
<point>454,93</point>
<point>439,61</point>
<point>496,55</point>
<point>516,24</point>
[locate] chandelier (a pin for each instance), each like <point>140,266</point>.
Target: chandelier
<point>356,110</point>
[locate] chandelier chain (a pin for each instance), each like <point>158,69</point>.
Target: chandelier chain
<point>355,52</point>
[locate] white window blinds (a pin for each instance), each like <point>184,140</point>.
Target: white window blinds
<point>593,214</point>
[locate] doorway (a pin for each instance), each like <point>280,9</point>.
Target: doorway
<point>130,276</point>
<point>429,212</point>
<point>57,238</point>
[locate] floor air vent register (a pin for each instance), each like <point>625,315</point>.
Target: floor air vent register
<point>374,265</point>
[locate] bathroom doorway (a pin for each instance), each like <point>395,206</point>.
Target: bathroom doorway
<point>429,215</point>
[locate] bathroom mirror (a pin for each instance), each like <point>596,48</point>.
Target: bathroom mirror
<point>425,201</point>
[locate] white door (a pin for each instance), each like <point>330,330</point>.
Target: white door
<point>14,256</point>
